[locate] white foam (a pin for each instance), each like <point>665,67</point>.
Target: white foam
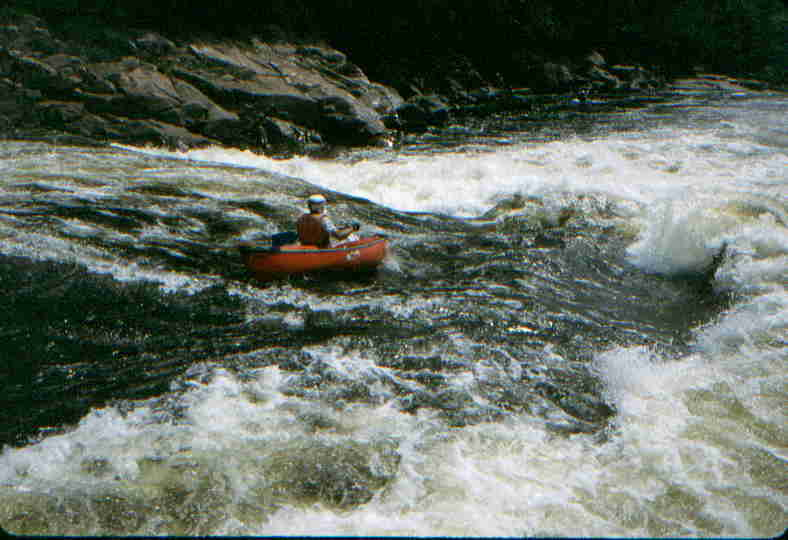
<point>643,169</point>
<point>500,479</point>
<point>690,452</point>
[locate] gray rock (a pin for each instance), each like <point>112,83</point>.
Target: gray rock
<point>595,59</point>
<point>237,93</point>
<point>58,113</point>
<point>419,112</point>
<point>603,79</point>
<point>635,77</point>
<point>31,72</point>
<point>328,55</point>
<point>558,76</point>
<point>153,44</point>
<point>343,119</point>
<point>278,133</point>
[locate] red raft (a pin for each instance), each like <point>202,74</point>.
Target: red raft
<point>278,261</point>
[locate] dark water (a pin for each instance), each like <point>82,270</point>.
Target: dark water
<point>524,258</point>
<point>76,339</point>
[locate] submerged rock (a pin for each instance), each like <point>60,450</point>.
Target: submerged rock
<point>342,474</point>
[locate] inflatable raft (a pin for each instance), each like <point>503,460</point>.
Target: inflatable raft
<point>279,260</point>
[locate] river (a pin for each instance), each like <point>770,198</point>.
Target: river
<point>580,331</point>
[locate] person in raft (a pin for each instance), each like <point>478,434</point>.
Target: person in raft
<point>316,228</point>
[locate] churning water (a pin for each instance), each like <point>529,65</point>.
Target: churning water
<point>581,330</point>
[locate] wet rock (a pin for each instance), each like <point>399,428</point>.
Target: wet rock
<point>456,406</point>
<point>557,77</point>
<point>603,80</point>
<point>420,112</point>
<point>98,467</point>
<point>27,32</point>
<point>473,415</point>
<point>635,77</point>
<point>571,428</point>
<point>344,120</point>
<point>59,113</point>
<point>594,58</point>
<point>278,133</point>
<point>187,495</point>
<point>245,94</point>
<point>142,91</point>
<point>31,72</point>
<point>287,87</point>
<point>712,84</point>
<point>454,77</point>
<point>589,73</point>
<point>151,43</point>
<point>328,55</point>
<point>342,474</point>
<point>585,408</point>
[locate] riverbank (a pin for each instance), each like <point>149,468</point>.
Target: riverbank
<point>274,97</point>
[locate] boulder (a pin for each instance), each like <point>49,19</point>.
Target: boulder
<point>300,89</point>
<point>345,120</point>
<point>420,112</point>
<point>198,108</point>
<point>635,77</point>
<point>602,80</point>
<point>31,72</point>
<point>323,53</point>
<point>452,76</point>
<point>541,74</point>
<point>153,44</point>
<point>381,98</point>
<point>557,77</point>
<point>145,92</point>
<point>29,33</point>
<point>595,59</point>
<point>169,135</point>
<point>711,84</point>
<point>59,114</point>
<point>278,134</point>
<point>11,113</point>
<point>239,93</point>
<point>138,131</point>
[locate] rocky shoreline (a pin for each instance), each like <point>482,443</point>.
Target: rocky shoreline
<point>271,97</point>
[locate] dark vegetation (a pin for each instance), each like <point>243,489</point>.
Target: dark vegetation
<point>498,40</point>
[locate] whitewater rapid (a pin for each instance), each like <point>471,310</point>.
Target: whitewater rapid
<point>703,436</point>
<point>697,445</point>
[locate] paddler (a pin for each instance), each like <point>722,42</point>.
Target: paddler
<point>316,228</point>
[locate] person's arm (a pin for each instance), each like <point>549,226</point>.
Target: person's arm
<point>339,233</point>
<point>344,232</point>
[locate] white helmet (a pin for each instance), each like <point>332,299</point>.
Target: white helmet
<point>316,199</point>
